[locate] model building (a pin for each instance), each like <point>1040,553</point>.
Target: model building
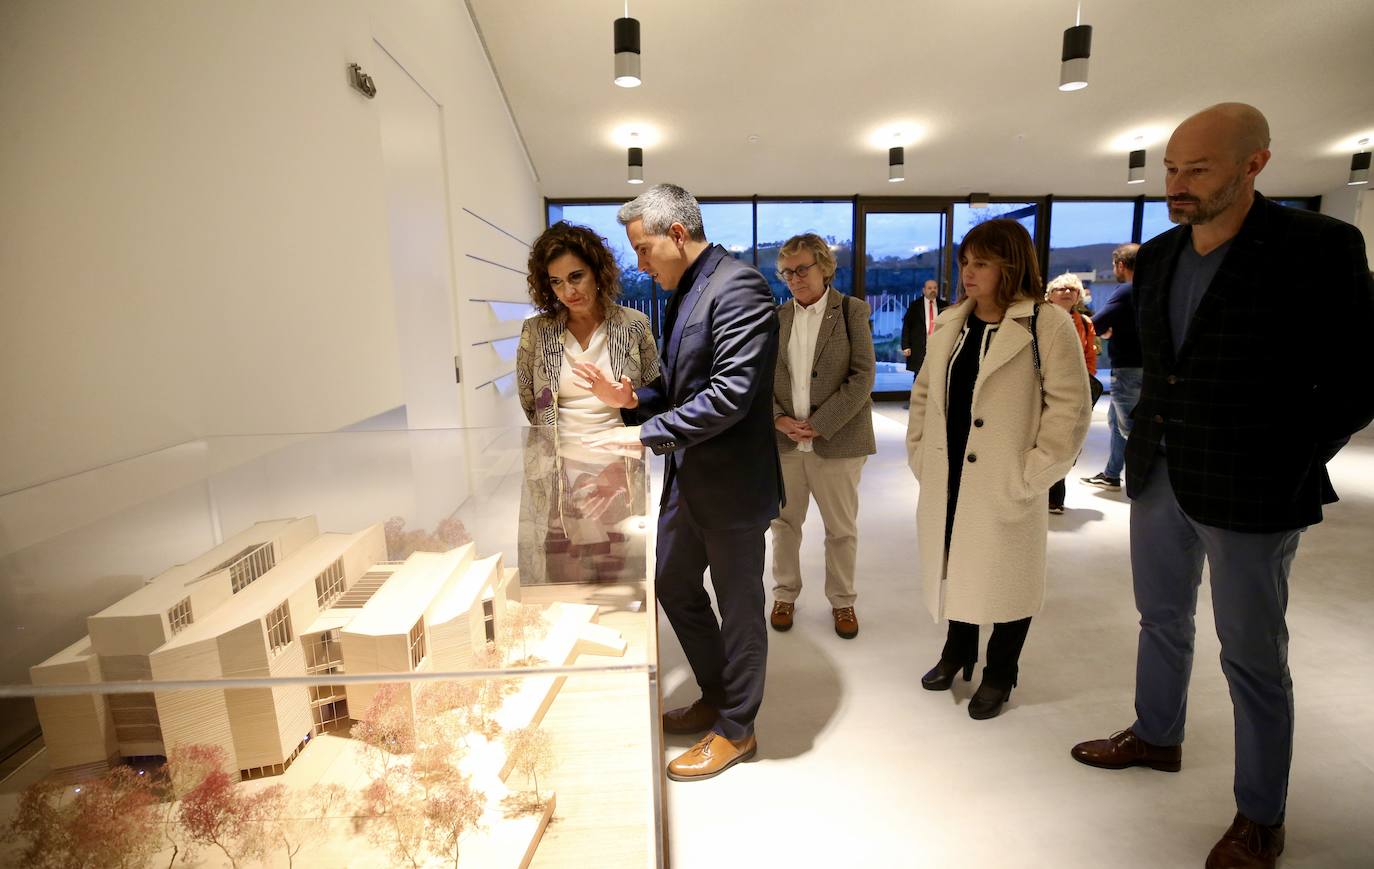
<point>279,599</point>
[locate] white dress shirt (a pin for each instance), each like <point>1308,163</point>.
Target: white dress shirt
<point>801,353</point>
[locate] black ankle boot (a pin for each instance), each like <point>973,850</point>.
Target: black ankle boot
<point>988,700</point>
<point>941,676</point>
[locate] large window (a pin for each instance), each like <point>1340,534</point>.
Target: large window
<point>731,225</point>
<point>832,221</point>
<point>180,616</point>
<point>1155,220</point>
<point>1082,238</point>
<point>902,250</point>
<point>278,624</point>
<point>417,643</point>
<point>329,584</point>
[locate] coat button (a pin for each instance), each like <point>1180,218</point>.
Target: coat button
<point>977,423</point>
<point>973,457</point>
<point>1156,418</point>
<point>813,374</point>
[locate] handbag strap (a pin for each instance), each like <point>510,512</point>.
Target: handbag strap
<point>1035,350</point>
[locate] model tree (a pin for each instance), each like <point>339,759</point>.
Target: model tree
<point>454,808</point>
<point>108,822</point>
<point>491,691</point>
<point>397,822</point>
<point>218,812</point>
<point>531,753</point>
<point>523,624</point>
<point>296,818</point>
<point>387,725</point>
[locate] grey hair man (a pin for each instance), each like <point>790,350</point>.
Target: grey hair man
<point>710,415</point>
<point>1241,407</point>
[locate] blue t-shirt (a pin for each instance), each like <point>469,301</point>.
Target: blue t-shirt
<point>1192,276</point>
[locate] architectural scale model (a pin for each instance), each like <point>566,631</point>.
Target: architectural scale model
<point>282,599</point>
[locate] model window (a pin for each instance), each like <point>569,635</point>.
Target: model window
<point>330,584</point>
<point>417,643</point>
<point>278,624</point>
<point>246,570</point>
<point>179,616</point>
<point>489,619</point>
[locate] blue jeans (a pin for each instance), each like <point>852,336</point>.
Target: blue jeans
<point>1125,393</point>
<point>1249,579</point>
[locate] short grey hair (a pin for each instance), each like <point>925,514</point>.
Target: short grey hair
<point>660,207</point>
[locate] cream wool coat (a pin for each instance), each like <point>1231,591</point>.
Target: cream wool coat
<point>995,569</point>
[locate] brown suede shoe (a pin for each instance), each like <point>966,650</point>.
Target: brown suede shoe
<point>1247,845</point>
<point>1124,748</point>
<point>690,719</point>
<point>781,618</point>
<point>712,755</point>
<point>846,623</point>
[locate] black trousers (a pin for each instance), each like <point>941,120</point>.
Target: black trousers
<point>961,640</point>
<point>1057,493</point>
<point>729,656</point>
<point>1004,649</point>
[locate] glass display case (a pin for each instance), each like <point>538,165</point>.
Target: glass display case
<point>387,648</point>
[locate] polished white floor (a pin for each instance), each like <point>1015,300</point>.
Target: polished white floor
<point>858,766</point>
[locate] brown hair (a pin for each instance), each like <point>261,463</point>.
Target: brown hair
<point>1007,244</point>
<point>820,251</point>
<point>586,245</point>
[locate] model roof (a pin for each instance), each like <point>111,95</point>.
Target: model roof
<point>273,587</point>
<point>399,603</point>
<point>170,586</point>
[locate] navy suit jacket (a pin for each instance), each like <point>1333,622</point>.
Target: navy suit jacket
<point>711,409</point>
<point>1268,383</point>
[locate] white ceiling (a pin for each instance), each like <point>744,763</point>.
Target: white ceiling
<point>814,81</point>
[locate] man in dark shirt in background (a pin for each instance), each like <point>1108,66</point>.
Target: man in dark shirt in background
<point>1242,405</point>
<point>1116,323</point>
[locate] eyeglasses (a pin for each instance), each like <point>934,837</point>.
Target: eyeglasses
<point>786,275</point>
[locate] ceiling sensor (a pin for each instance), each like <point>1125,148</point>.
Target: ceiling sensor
<point>753,140</point>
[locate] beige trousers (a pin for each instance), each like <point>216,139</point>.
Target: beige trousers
<point>834,483</point>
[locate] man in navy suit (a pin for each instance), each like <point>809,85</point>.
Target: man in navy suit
<point>710,414</point>
<point>1245,398</point>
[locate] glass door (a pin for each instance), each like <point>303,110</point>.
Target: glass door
<point>903,245</point>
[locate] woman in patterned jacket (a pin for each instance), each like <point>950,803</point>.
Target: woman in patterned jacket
<point>575,495</point>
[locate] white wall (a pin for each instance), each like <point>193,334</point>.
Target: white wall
<point>193,236</point>
<point>1353,205</point>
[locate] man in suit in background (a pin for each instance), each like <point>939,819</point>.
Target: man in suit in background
<point>1244,401</point>
<point>711,414</point>
<point>917,324</point>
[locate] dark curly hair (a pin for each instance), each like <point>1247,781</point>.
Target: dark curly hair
<point>582,243</point>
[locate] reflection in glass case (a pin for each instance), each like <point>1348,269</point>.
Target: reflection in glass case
<point>362,649</point>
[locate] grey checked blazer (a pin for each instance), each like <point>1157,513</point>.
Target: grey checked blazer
<point>841,379</point>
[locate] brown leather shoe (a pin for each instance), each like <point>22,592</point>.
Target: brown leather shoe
<point>1247,845</point>
<point>1124,748</point>
<point>712,755</point>
<point>690,719</point>
<point>846,623</point>
<point>781,618</point>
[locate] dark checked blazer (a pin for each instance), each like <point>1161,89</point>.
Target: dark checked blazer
<point>710,411</point>
<point>1267,386</point>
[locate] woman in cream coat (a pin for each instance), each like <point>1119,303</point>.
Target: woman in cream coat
<point>991,428</point>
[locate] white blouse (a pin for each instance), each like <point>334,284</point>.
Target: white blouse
<point>579,411</point>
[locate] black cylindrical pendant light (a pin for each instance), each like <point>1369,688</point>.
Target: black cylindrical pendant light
<point>1359,169</point>
<point>1135,167</point>
<point>1073,60</point>
<point>896,164</point>
<point>636,166</point>
<point>627,52</point>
